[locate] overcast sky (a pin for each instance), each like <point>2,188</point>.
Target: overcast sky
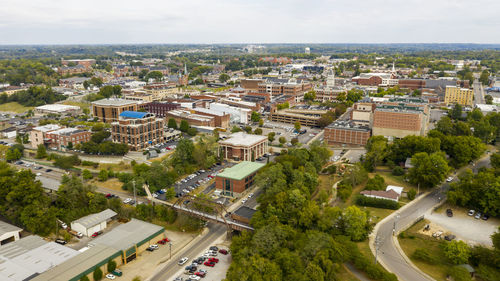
<point>249,21</point>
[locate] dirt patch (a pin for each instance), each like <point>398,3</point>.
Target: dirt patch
<point>113,184</point>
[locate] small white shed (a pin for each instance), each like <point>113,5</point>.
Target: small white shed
<point>8,233</point>
<point>93,223</point>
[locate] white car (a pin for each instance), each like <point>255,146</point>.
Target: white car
<point>194,277</point>
<point>244,201</point>
<point>449,179</point>
<point>126,201</point>
<point>38,174</point>
<point>154,246</point>
<point>183,261</point>
<point>110,276</point>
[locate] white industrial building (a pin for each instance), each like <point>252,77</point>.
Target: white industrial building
<point>93,223</point>
<point>8,233</point>
<point>58,109</point>
<point>30,256</point>
<point>238,115</point>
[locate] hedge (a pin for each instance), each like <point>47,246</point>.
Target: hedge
<point>375,202</point>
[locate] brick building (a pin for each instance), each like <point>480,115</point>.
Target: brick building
<point>362,113</point>
<point>242,146</point>
<point>306,117</point>
<point>346,133</point>
<point>109,110</point>
<point>138,130</point>
<point>237,178</point>
<point>160,109</point>
<point>37,134</point>
<point>412,84</point>
<point>192,118</point>
<point>65,137</point>
<point>400,120</point>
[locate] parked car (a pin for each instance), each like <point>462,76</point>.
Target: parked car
<point>200,274</point>
<point>48,170</point>
<point>478,215</point>
<point>194,277</point>
<point>449,179</point>
<point>117,272</point>
<point>95,234</point>
<point>183,261</point>
<point>61,241</point>
<point>110,276</point>
<point>211,264</point>
<point>449,237</point>
<point>213,248</point>
<point>223,251</point>
<point>471,212</point>
<point>216,260</point>
<point>486,217</point>
<point>449,213</point>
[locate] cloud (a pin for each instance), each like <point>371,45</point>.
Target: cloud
<point>242,21</point>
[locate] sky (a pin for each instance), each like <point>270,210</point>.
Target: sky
<point>248,21</point>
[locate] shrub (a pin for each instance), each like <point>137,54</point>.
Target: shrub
<point>97,274</point>
<point>103,175</point>
<point>87,175</point>
<point>67,162</point>
<point>375,202</point>
<point>344,190</point>
<point>375,183</point>
<point>90,164</point>
<point>111,265</point>
<point>459,273</point>
<point>332,169</point>
<point>411,194</point>
<point>84,278</point>
<point>398,171</point>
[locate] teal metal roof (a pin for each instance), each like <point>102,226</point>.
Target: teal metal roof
<point>241,171</point>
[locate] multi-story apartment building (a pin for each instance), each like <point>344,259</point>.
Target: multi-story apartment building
<point>462,96</point>
<point>192,118</point>
<point>160,109</point>
<point>57,137</point>
<point>138,130</point>
<point>109,110</point>
<point>346,133</point>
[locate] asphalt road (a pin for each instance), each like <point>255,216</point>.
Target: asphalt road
<point>388,253</point>
<point>192,252</point>
<point>478,92</point>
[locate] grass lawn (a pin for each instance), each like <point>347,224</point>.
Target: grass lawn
<point>120,167</point>
<point>113,184</point>
<point>345,274</point>
<point>391,179</point>
<point>82,105</point>
<point>14,107</point>
<point>413,240</point>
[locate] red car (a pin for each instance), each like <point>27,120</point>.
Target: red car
<point>95,234</point>
<point>161,242</point>
<point>216,260</point>
<point>201,274</point>
<point>108,195</point>
<point>211,264</point>
<point>223,251</point>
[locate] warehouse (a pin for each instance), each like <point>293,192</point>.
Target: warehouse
<point>122,244</point>
<point>8,233</point>
<point>93,223</point>
<point>30,256</point>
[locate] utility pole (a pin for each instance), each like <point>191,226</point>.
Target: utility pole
<point>170,244</point>
<point>135,197</point>
<point>394,227</point>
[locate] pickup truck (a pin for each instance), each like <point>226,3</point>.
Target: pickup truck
<point>75,233</point>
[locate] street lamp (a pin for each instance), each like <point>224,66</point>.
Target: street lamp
<point>170,244</point>
<point>395,221</point>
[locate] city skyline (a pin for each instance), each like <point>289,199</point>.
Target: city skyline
<point>212,22</point>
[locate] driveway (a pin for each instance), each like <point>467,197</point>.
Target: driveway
<point>471,230</point>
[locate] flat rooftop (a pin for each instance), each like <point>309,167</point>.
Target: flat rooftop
<point>7,227</point>
<point>241,170</point>
<point>243,139</point>
<point>95,219</point>
<point>47,128</point>
<point>58,107</point>
<point>126,235</point>
<point>114,102</point>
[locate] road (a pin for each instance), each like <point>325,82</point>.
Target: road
<point>478,92</point>
<point>388,254</point>
<point>193,250</point>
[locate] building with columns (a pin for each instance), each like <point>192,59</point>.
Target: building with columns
<point>243,147</point>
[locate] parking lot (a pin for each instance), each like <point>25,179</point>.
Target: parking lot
<point>352,155</point>
<point>471,230</point>
<point>215,273</point>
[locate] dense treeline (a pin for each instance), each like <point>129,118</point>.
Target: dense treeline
<point>16,72</point>
<point>34,96</point>
<point>294,237</point>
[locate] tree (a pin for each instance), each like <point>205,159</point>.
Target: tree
<point>255,117</point>
<point>156,75</point>
<point>87,175</point>
<point>248,129</point>
<point>41,152</point>
<point>172,123</point>
<point>84,278</point>
<point>13,155</point>
<point>109,91</point>
<point>428,170</point>
<point>488,99</point>
<point>97,274</point>
<point>376,151</point>
<point>192,131</point>
<point>294,141</point>
<point>223,77</point>
<point>235,129</point>
<point>297,126</point>
<point>282,140</point>
<point>261,122</point>
<point>272,135</point>
<point>376,183</point>
<point>495,238</point>
<point>310,96</point>
<point>456,112</point>
<point>411,193</point>
<point>103,175</point>
<point>111,265</point>
<point>184,126</point>
<point>257,131</point>
<point>485,77</point>
<point>355,223</point>
<point>458,252</point>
